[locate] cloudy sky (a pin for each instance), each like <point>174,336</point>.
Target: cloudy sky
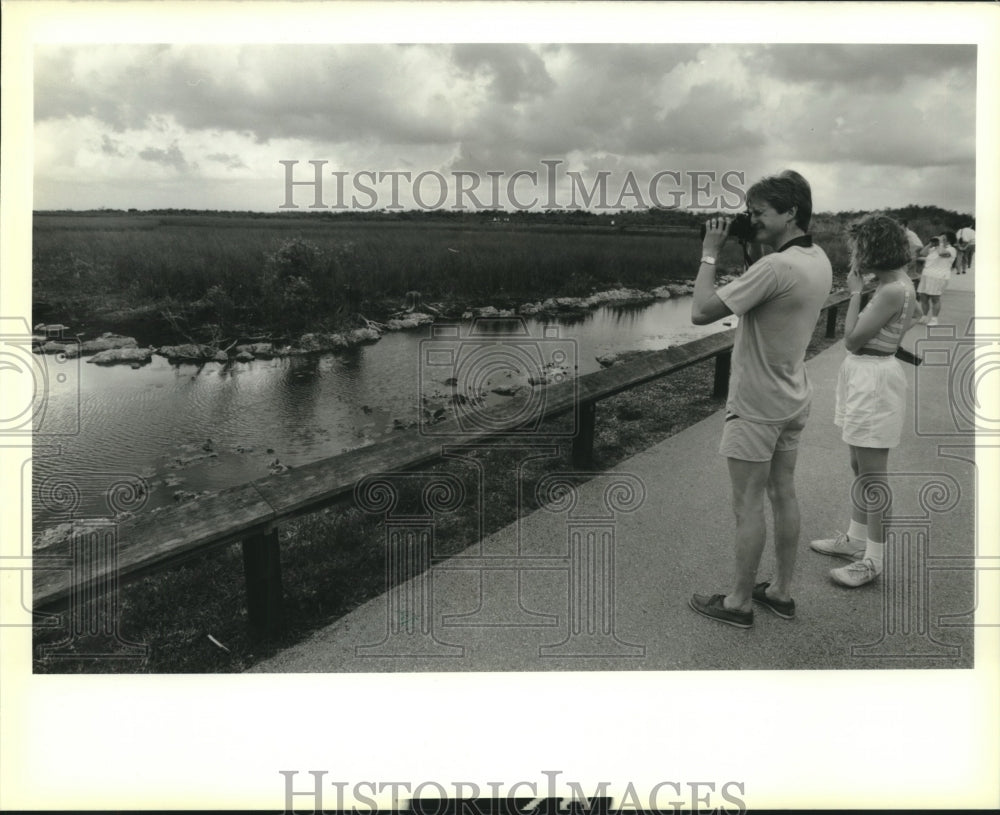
<point>206,127</point>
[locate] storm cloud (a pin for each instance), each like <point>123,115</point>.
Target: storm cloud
<point>106,114</point>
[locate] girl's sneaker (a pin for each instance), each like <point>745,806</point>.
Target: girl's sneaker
<point>855,574</point>
<point>840,546</point>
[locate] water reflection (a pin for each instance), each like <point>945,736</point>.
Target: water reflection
<point>191,427</point>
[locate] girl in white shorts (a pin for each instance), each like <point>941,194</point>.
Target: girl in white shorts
<point>871,390</point>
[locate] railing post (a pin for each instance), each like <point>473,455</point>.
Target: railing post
<point>262,567</point>
<point>831,322</point>
<point>583,442</point>
<point>720,387</point>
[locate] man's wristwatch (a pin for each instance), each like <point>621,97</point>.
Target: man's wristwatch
<point>708,259</point>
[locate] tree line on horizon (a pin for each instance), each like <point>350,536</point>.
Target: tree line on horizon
<point>651,217</point>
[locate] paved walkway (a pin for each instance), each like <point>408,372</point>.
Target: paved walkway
<point>603,584</point>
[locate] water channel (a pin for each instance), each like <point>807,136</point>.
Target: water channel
<point>193,428</point>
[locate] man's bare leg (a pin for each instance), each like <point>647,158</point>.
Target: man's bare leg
<point>749,482</point>
<point>787,521</point>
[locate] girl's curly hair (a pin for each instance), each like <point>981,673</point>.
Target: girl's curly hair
<point>878,242</point>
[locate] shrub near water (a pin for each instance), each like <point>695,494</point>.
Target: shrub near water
<point>303,285</point>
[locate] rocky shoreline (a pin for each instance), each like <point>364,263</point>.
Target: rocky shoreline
<point>113,349</point>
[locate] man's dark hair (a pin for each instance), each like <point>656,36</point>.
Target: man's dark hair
<point>783,191</point>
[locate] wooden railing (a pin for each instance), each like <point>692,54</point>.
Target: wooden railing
<point>251,513</point>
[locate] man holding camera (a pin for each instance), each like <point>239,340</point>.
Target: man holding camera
<point>778,300</point>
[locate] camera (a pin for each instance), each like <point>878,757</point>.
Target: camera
<point>740,228</point>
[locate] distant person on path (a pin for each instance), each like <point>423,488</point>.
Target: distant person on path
<point>939,255</point>
<point>778,300</point>
<point>871,390</point>
<point>966,248</point>
<point>915,246</point>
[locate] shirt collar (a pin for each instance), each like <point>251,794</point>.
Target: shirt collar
<point>804,241</point>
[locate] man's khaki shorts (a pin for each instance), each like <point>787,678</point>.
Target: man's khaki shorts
<point>754,441</point>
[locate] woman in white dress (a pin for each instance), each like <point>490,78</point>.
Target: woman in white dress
<point>939,256</point>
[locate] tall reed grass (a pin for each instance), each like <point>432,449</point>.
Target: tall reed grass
<point>298,272</point>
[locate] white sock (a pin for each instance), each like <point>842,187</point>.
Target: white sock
<point>875,552</point>
<point>857,532</point>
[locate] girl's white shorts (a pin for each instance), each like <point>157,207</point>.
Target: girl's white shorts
<point>871,401</point>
